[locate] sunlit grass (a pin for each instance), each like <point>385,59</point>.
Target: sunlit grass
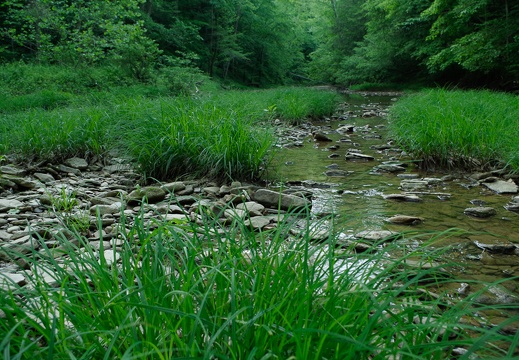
<point>459,128</point>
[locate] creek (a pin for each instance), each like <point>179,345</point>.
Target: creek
<point>353,190</point>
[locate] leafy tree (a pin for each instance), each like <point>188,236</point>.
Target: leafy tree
<point>80,31</point>
<point>479,36</point>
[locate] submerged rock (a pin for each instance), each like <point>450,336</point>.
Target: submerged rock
<point>480,212</point>
<point>405,220</point>
<point>496,246</point>
<point>377,235</point>
<point>403,197</point>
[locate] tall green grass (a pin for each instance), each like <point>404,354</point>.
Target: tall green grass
<point>179,137</point>
<point>459,128</point>
<point>180,290</point>
<point>52,113</point>
<point>291,104</point>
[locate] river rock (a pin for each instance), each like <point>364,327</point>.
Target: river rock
<point>174,186</point>
<point>275,199</point>
<point>10,281</point>
<point>257,222</point>
<point>68,170</point>
<point>405,220</point>
<point>408,176</point>
<point>337,173</point>
<point>77,163</point>
<point>12,170</point>
<point>21,182</point>
<point>319,137</point>
<point>9,204</point>
<point>358,156</point>
<point>413,185</point>
<point>502,187</point>
<point>402,197</point>
<point>44,177</point>
<point>496,246</point>
<point>391,168</point>
<point>345,129</point>
<point>481,211</point>
<point>254,208</point>
<point>377,235</point>
<point>151,194</point>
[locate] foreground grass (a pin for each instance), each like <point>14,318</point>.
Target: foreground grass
<point>185,291</point>
<point>459,128</point>
<point>218,134</point>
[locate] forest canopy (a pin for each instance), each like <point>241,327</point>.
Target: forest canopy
<point>262,42</point>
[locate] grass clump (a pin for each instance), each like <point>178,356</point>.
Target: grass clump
<point>459,128</point>
<point>222,134</point>
<point>290,104</point>
<point>180,137</point>
<point>178,290</point>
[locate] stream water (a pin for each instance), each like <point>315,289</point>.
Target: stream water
<point>357,198</point>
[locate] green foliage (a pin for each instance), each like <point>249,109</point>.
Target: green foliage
<point>211,134</point>
<point>180,290</point>
<point>459,128</point>
<point>181,137</point>
<point>460,41</point>
<point>83,32</point>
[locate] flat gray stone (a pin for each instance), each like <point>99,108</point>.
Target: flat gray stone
<point>481,211</point>
<point>274,199</point>
<point>405,220</point>
<point>44,178</point>
<point>8,204</point>
<point>502,187</point>
<point>257,222</point>
<point>377,235</point>
<point>77,163</point>
<point>254,208</point>
<point>11,170</point>
<point>151,194</point>
<point>174,186</point>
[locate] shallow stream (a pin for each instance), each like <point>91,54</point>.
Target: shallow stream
<point>356,199</point>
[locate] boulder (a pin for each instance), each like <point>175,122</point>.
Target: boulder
<point>274,199</point>
<point>502,187</point>
<point>151,194</point>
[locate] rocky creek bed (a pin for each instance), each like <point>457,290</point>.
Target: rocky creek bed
<point>38,203</point>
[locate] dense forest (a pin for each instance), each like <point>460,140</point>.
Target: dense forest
<point>262,42</point>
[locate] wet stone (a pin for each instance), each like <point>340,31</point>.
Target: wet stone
<point>377,235</point>
<point>502,187</point>
<point>413,185</point>
<point>257,222</point>
<point>389,168</point>
<point>275,199</point>
<point>496,246</point>
<point>480,212</point>
<point>405,220</point>
<point>358,156</point>
<point>337,173</point>
<point>403,197</point>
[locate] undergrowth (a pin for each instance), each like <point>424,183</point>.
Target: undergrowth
<point>467,129</point>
